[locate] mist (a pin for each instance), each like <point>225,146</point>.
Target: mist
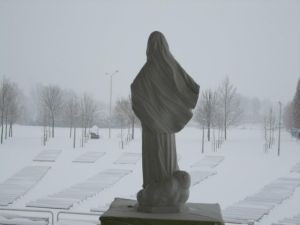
<point>73,44</point>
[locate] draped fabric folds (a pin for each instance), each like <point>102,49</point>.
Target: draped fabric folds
<point>163,95</point>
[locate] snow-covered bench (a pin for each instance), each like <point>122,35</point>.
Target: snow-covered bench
<point>89,157</point>
<point>25,217</point>
<point>67,198</point>
<point>47,155</point>
<point>128,158</point>
<point>210,161</point>
<point>20,183</point>
<point>254,207</point>
<point>295,220</point>
<point>77,218</point>
<point>21,220</point>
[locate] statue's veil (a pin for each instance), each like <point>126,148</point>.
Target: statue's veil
<point>163,94</point>
<point>157,46</point>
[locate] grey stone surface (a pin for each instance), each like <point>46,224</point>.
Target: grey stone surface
<point>163,95</point>
<point>123,211</point>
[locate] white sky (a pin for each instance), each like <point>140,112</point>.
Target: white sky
<point>73,43</point>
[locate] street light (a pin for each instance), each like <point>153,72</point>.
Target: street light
<point>110,98</point>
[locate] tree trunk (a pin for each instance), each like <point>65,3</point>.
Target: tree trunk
<point>132,131</point>
<point>45,135</point>
<point>6,125</point>
<point>49,132</point>
<point>70,131</point>
<point>2,121</point>
<point>82,137</point>
<point>208,131</point>
<point>225,119</point>
<point>74,137</point>
<point>84,134</point>
<point>122,135</point>
<point>10,130</point>
<point>52,127</point>
<point>202,139</point>
<point>225,131</point>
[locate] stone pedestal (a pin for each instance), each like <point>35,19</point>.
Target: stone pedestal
<point>123,211</point>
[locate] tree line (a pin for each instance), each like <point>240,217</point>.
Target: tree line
<point>291,116</point>
<point>50,106</point>
<point>218,110</point>
<point>10,107</point>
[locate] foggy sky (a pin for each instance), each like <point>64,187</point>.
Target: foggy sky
<point>74,43</point>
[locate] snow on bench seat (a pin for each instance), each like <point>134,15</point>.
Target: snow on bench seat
<point>89,157</point>
<point>13,219</point>
<point>210,161</point>
<point>128,158</point>
<point>198,176</point>
<point>47,155</point>
<point>295,220</point>
<point>254,207</point>
<point>296,168</point>
<point>78,222</point>
<point>20,183</point>
<point>67,198</point>
<point>52,203</point>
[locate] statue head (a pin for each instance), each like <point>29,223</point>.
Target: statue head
<point>157,45</point>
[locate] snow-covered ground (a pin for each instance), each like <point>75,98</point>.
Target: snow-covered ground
<point>244,171</point>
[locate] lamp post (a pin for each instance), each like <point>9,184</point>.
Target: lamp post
<point>279,123</point>
<point>110,99</point>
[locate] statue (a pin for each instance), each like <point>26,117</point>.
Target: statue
<point>163,95</point>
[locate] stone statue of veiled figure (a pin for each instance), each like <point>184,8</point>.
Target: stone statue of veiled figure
<point>163,95</point>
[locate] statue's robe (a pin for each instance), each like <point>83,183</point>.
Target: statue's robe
<point>163,95</point>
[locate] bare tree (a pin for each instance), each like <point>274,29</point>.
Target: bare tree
<point>4,95</point>
<point>206,110</point>
<point>52,102</point>
<point>71,109</point>
<point>288,120</point>
<point>269,129</point>
<point>10,106</point>
<point>14,108</point>
<point>296,107</point>
<point>229,103</point>
<point>88,112</point>
<point>123,106</point>
<point>218,125</point>
<point>120,115</point>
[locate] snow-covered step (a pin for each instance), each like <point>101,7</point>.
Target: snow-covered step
<point>209,161</point>
<point>47,155</point>
<point>53,203</point>
<point>254,207</point>
<point>128,158</point>
<point>198,176</point>
<point>20,183</point>
<point>295,220</point>
<point>65,199</point>
<point>89,157</point>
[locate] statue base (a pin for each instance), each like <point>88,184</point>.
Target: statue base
<point>124,211</point>
<point>171,209</point>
